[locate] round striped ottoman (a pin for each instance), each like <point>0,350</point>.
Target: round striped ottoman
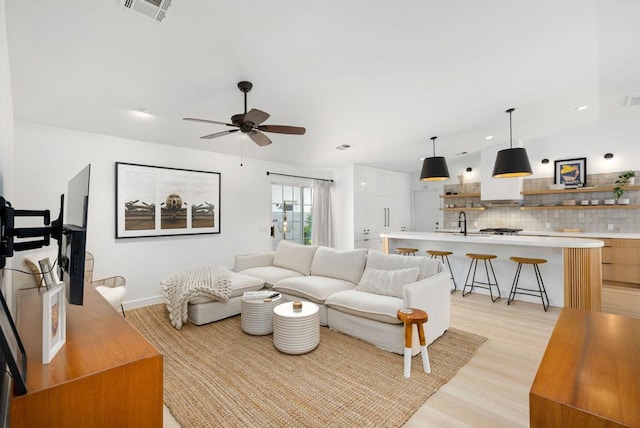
<point>296,331</point>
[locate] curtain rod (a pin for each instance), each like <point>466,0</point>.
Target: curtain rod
<point>299,176</point>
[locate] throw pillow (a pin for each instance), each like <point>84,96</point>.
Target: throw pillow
<point>387,282</point>
<point>292,256</point>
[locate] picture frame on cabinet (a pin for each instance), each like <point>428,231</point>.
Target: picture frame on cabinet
<point>54,322</point>
<point>572,173</point>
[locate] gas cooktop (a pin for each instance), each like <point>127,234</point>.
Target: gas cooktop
<point>500,231</point>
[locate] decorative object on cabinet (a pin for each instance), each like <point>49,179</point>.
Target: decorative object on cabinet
<point>434,168</point>
<point>626,178</point>
<point>571,172</point>
<point>512,162</point>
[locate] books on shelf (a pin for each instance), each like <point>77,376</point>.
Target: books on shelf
<point>262,294</point>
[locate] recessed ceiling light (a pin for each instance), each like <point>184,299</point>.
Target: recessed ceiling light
<point>488,137</point>
<point>580,108</point>
<point>142,113</point>
<point>421,159</point>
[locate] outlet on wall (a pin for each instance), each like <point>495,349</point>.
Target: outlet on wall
<point>610,226</point>
<point>475,224</point>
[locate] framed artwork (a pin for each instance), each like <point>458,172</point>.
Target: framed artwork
<point>161,201</point>
<point>54,322</point>
<point>571,172</point>
<point>13,353</point>
<point>47,272</point>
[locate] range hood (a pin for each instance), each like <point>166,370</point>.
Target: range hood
<point>497,191</point>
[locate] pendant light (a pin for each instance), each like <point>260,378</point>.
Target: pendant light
<point>435,167</point>
<point>512,162</point>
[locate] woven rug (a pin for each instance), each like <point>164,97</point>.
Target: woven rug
<point>216,375</point>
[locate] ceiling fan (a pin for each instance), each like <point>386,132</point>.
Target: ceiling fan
<point>250,122</point>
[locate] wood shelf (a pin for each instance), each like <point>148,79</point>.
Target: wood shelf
<point>463,195</point>
<point>464,209</point>
<point>582,207</point>
<point>579,190</point>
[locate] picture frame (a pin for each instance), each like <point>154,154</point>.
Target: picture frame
<point>13,353</point>
<point>571,172</point>
<point>47,273</point>
<point>156,201</point>
<point>54,322</point>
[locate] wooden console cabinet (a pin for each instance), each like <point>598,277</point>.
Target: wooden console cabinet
<point>106,375</point>
<point>621,262</point>
<point>588,376</point>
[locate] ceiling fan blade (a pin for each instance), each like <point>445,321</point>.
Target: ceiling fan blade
<point>259,138</point>
<point>256,116</point>
<point>207,121</point>
<point>219,134</point>
<point>281,129</point>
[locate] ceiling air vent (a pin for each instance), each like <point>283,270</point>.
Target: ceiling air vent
<point>152,9</point>
<point>632,101</point>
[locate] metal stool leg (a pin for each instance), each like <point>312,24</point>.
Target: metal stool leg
<point>543,291</point>
<point>514,285</point>
<point>473,265</point>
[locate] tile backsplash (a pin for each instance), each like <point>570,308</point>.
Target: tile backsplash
<point>587,220</point>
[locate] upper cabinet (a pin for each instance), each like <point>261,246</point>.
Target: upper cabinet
<point>496,189</point>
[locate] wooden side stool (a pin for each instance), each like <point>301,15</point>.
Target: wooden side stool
<point>540,292</point>
<point>406,251</point>
<point>444,256</point>
<point>411,316</point>
<point>486,258</point>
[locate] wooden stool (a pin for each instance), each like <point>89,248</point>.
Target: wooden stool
<point>474,264</point>
<point>417,317</point>
<point>444,255</point>
<point>406,251</point>
<point>540,292</point>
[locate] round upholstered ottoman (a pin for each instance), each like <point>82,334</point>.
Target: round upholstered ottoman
<point>256,315</point>
<point>296,331</point>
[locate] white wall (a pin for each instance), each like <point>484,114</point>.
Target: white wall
<point>47,157</point>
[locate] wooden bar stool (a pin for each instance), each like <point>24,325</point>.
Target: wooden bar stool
<point>411,316</point>
<point>406,251</point>
<point>444,256</point>
<point>540,292</point>
<point>486,285</point>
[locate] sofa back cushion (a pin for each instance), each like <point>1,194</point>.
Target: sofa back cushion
<point>345,265</point>
<point>297,257</point>
<point>427,267</point>
<point>387,282</point>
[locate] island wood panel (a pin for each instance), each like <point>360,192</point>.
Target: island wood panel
<point>107,374</point>
<point>621,262</point>
<point>583,278</point>
<point>588,375</point>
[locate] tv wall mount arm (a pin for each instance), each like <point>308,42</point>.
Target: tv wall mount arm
<point>8,231</point>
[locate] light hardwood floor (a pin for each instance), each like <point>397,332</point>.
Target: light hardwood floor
<point>492,389</point>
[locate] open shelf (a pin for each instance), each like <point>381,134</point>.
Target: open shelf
<point>463,195</point>
<point>463,209</point>
<point>582,207</point>
<point>578,190</point>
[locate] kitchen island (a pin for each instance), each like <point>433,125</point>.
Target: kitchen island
<point>572,276</point>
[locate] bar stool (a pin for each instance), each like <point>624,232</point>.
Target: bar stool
<point>411,316</point>
<point>444,256</point>
<point>406,251</point>
<point>540,292</point>
<point>474,264</point>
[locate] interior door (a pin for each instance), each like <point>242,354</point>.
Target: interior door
<point>426,209</point>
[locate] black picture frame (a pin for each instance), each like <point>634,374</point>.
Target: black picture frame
<point>154,201</point>
<point>13,352</point>
<point>570,172</point>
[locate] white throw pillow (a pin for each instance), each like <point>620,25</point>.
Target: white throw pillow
<point>379,260</point>
<point>297,257</point>
<point>347,265</point>
<point>387,282</point>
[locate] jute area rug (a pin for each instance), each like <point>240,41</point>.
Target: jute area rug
<point>217,376</point>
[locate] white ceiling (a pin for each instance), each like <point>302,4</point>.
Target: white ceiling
<point>380,76</point>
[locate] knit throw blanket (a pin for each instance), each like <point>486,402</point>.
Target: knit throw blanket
<point>179,288</point>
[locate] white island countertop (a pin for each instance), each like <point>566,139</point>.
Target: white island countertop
<point>593,235</point>
<point>532,241</point>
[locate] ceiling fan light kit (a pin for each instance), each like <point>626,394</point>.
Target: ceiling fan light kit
<point>512,162</point>
<point>250,122</point>
<point>434,168</point>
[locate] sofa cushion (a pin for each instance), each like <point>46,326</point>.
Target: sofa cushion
<point>239,284</point>
<point>270,274</point>
<point>376,307</point>
<point>387,282</point>
<point>347,265</point>
<point>379,260</point>
<point>313,288</point>
<point>298,257</point>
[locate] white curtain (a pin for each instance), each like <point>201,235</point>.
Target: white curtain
<point>322,227</point>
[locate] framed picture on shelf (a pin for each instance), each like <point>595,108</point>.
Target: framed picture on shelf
<point>571,172</point>
<point>54,322</point>
<point>13,353</point>
<point>162,201</point>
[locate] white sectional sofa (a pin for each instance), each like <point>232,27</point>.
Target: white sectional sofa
<point>359,292</point>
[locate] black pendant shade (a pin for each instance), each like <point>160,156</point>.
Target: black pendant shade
<point>434,168</point>
<point>512,162</point>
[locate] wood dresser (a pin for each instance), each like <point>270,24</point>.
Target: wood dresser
<point>106,375</point>
<point>589,374</point>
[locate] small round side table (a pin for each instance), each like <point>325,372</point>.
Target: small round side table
<point>296,331</point>
<point>256,315</point>
<point>411,316</point>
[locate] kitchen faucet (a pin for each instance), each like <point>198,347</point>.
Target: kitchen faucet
<point>462,222</point>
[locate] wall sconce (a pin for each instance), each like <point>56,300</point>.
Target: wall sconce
<point>545,161</point>
<point>469,169</point>
<point>608,155</point>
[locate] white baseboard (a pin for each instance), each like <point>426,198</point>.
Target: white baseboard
<point>148,301</point>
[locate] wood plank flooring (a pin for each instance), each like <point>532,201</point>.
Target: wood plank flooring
<point>492,389</point>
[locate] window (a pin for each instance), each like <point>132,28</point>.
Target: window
<point>295,203</point>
